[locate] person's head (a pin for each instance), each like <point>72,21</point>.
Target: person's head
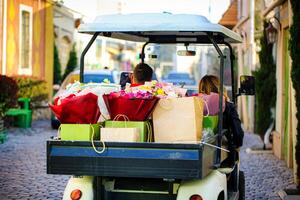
<point>141,73</point>
<point>210,83</point>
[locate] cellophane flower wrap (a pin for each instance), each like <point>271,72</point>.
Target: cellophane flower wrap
<point>82,103</point>
<point>137,103</point>
<point>136,106</point>
<point>82,109</point>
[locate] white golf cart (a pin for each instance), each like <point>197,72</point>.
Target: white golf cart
<point>153,170</point>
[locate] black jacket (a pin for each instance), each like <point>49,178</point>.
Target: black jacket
<point>232,123</point>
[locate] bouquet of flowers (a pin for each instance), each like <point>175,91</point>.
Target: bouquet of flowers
<point>158,89</point>
<point>82,103</point>
<point>137,103</point>
<point>136,106</point>
<point>69,110</point>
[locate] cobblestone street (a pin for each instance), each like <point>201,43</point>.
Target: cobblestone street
<point>23,165</point>
<point>23,168</point>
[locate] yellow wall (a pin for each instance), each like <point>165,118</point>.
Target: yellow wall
<point>1,32</point>
<point>42,39</point>
<point>12,54</point>
<point>49,47</point>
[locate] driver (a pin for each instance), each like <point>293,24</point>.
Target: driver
<point>141,73</point>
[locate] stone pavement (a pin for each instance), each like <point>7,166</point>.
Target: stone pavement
<point>23,168</point>
<point>23,165</point>
<point>265,174</point>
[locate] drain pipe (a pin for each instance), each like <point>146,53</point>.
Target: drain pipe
<point>268,133</point>
<point>253,59</point>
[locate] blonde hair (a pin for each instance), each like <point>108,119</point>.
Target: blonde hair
<point>211,83</point>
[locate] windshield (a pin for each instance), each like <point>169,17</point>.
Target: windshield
<point>178,76</point>
<point>88,78</point>
<point>98,78</point>
<point>172,67</point>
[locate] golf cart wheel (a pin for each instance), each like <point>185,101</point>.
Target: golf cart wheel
<point>241,185</point>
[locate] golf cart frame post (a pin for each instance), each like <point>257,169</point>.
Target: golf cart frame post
<point>81,78</point>
<point>222,58</point>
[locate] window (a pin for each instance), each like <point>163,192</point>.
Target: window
<point>25,40</point>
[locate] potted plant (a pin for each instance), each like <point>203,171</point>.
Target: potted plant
<point>8,99</point>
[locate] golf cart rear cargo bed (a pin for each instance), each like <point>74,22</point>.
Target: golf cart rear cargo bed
<point>146,160</point>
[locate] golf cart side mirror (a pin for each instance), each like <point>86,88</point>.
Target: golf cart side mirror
<point>247,84</point>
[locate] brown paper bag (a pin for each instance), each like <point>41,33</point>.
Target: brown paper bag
<point>178,120</point>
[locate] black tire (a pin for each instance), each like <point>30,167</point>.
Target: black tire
<point>242,186</point>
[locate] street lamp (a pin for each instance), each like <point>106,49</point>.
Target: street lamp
<point>271,33</point>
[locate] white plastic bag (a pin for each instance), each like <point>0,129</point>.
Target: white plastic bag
<point>99,89</point>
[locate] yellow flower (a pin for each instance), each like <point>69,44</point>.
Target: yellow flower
<point>160,91</point>
<point>154,82</point>
<point>145,87</point>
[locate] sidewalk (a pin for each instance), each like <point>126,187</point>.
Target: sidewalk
<point>23,165</point>
<point>265,174</point>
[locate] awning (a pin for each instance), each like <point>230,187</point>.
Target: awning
<point>229,18</point>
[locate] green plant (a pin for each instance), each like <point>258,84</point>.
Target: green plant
<point>8,94</point>
<point>294,47</point>
<point>57,67</point>
<point>33,88</point>
<point>265,86</point>
<point>72,63</point>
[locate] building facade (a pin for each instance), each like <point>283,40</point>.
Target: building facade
<point>279,14</point>
<point>250,17</point>
<point>26,39</point>
<point>64,27</point>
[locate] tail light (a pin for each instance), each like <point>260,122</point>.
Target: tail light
<point>76,194</point>
<point>196,197</point>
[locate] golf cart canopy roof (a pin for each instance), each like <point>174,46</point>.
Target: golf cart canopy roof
<point>160,27</point>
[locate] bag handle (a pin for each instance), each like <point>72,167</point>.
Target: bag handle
<point>206,105</point>
<point>164,104</point>
<point>126,119</point>
<point>92,140</point>
<point>150,133</point>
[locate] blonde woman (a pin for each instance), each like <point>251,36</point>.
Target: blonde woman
<point>211,83</point>
<point>231,121</point>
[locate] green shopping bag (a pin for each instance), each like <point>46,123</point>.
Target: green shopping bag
<point>79,132</point>
<point>211,122</point>
<point>143,126</point>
